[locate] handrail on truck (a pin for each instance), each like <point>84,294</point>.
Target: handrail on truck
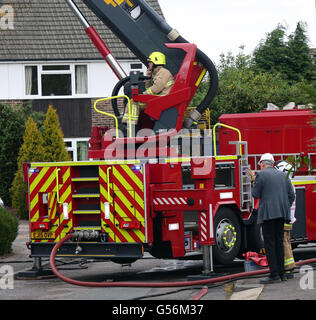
<point>228,127</point>
<point>113,116</point>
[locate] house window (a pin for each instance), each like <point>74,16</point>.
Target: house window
<point>56,80</point>
<point>77,148</point>
<point>136,66</point>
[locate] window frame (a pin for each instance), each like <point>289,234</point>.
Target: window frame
<point>73,147</point>
<point>71,71</point>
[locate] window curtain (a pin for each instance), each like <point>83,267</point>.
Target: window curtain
<point>81,79</point>
<point>28,80</point>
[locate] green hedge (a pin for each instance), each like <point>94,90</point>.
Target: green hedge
<point>8,230</point>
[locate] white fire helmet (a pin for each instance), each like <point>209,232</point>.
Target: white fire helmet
<point>267,157</point>
<point>285,167</point>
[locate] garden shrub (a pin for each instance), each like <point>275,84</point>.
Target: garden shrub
<point>8,231</point>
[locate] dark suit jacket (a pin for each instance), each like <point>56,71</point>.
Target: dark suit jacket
<point>276,195</point>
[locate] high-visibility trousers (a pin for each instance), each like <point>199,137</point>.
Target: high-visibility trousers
<point>289,262</point>
<point>136,108</point>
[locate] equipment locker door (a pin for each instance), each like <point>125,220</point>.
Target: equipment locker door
<point>122,202</point>
<point>49,194</point>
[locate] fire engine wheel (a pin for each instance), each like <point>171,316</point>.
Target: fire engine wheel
<point>227,236</point>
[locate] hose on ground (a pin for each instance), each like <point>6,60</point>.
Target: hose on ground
<point>155,284</point>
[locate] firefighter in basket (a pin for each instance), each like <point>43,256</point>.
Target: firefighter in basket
<point>160,84</point>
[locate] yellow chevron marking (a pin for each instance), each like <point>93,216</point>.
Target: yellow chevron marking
<point>66,174</point>
<point>128,205</point>
<point>125,233</point>
<point>107,196</point>
<point>133,176</point>
<point>48,182</point>
<point>122,213</point>
<point>104,192</point>
<point>102,174</point>
<point>119,193</point>
<point>39,177</point>
<point>34,201</point>
<point>139,200</point>
<point>119,177</point>
<point>140,235</point>
<point>51,200</point>
<point>66,194</point>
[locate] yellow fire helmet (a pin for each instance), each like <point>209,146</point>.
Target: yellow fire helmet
<point>157,58</point>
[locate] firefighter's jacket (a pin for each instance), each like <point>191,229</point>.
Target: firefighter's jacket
<point>276,195</point>
<point>161,82</point>
<point>160,85</point>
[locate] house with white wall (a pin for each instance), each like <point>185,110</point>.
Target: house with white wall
<point>47,58</point>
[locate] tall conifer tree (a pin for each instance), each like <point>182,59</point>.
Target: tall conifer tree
<point>55,149</point>
<point>31,150</point>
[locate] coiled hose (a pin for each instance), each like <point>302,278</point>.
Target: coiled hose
<point>155,284</point>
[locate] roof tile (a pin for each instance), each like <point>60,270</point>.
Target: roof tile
<point>48,30</point>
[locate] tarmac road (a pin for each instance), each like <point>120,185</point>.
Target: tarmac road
<point>302,287</point>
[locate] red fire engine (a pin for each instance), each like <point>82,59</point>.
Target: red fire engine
<point>287,134</point>
<point>140,193</point>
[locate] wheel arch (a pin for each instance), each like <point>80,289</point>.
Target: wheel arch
<point>233,206</point>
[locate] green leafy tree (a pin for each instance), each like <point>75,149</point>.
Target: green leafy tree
<point>11,135</point>
<point>309,88</point>
<point>288,56</point>
<point>37,147</point>
<point>55,149</point>
<point>31,150</point>
<point>273,73</point>
<point>243,89</point>
<point>299,58</point>
<point>271,55</point>
<point>12,126</point>
<point>8,231</point>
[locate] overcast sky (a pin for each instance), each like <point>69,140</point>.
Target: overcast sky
<point>219,26</point>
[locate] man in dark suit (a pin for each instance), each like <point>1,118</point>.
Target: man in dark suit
<point>276,195</point>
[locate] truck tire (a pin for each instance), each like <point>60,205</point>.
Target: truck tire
<point>227,236</point>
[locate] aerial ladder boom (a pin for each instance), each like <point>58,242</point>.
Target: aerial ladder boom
<point>144,31</point>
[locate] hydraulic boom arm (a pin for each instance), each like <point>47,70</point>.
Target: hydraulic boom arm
<point>144,31</point>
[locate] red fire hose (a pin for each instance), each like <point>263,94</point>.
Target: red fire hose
<point>154,284</point>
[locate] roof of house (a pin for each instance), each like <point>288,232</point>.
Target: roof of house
<point>48,30</point>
